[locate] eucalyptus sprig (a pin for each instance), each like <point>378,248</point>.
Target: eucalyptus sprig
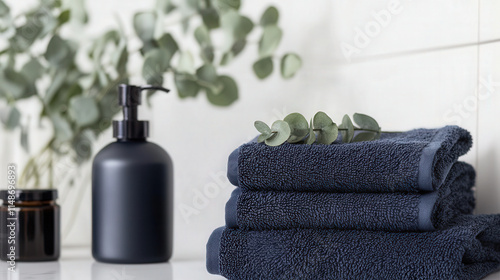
<point>294,128</point>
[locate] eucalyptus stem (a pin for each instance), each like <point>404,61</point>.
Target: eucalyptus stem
<point>363,129</point>
<point>32,163</point>
<point>321,129</point>
<point>51,170</point>
<point>81,192</point>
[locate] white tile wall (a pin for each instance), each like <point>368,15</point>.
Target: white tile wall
<point>488,144</point>
<point>412,73</point>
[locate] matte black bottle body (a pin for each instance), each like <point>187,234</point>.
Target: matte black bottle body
<point>132,203</point>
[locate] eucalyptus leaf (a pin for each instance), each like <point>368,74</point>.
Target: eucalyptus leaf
<point>103,77</point>
<point>45,22</point>
<point>193,4</point>
<point>263,67</point>
<point>62,128</point>
<point>238,46</point>
<point>25,139</point>
<point>328,130</point>
<point>235,49</point>
<point>202,36</point>
<point>165,6</point>
<point>328,135</point>
<point>210,18</point>
<point>311,138</point>
<point>14,84</point>
<point>228,5</point>
<point>207,73</point>
<point>226,58</point>
<point>298,125</point>
<point>11,118</point>
<point>207,54</point>
<point>97,48</point>
<point>348,129</point>
<point>60,101</point>
<point>58,79</point>
<point>186,63</point>
<point>144,25</point>
<point>120,60</point>
<point>83,110</point>
<point>263,137</point>
<point>4,9</point>
<point>366,122</point>
<point>64,17</point>
<point>236,25</point>
<point>269,17</point>
<point>321,120</point>
<point>290,64</point>
<point>58,51</point>
<point>155,64</point>
<point>364,136</point>
<point>186,85</point>
<point>227,95</point>
<point>33,70</point>
<point>82,145</point>
<point>270,40</point>
<point>281,132</point>
<point>24,37</point>
<point>78,11</point>
<point>168,42</point>
<point>108,108</point>
<point>262,127</point>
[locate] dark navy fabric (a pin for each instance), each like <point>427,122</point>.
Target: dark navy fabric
<point>468,250</point>
<point>262,210</point>
<point>417,160</point>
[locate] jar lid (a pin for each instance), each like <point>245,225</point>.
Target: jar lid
<point>30,195</point>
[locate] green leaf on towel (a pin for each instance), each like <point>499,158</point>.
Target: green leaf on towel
<point>312,137</point>
<point>321,129</point>
<point>347,129</point>
<point>298,126</point>
<point>366,122</point>
<point>262,127</point>
<point>281,132</point>
<point>327,129</point>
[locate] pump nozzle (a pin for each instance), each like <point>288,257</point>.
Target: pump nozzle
<point>148,87</point>
<point>131,128</point>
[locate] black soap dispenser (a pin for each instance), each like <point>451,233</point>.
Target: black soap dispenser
<point>132,191</point>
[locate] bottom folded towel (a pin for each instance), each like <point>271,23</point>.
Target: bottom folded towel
<point>468,250</point>
<point>263,210</point>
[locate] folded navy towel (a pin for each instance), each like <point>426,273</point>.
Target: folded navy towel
<point>261,210</point>
<point>469,250</point>
<point>417,160</point>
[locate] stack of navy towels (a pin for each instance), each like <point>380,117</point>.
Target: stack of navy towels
<point>399,207</point>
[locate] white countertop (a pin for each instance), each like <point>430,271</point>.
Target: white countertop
<point>77,264</point>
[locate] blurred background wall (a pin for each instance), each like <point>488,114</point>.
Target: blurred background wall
<point>406,63</point>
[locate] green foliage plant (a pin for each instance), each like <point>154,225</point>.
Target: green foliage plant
<point>40,63</point>
<point>295,129</point>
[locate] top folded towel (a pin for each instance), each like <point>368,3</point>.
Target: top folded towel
<point>412,161</point>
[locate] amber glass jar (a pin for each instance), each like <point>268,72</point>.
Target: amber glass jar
<point>30,225</point>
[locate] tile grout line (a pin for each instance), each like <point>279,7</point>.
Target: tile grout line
<point>419,51</point>
<point>478,77</point>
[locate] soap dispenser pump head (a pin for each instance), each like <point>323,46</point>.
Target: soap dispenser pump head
<point>130,128</point>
